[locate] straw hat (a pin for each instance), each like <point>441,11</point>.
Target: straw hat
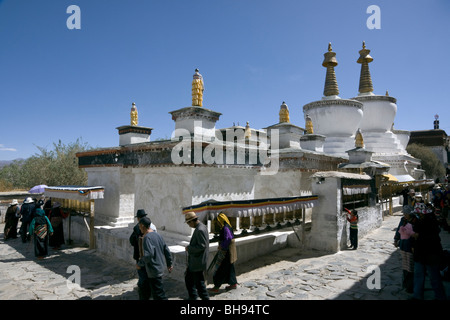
<point>28,200</point>
<point>189,216</point>
<point>14,202</point>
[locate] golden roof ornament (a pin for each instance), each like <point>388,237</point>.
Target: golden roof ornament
<point>309,125</point>
<point>365,81</point>
<point>134,115</point>
<point>284,113</point>
<point>359,141</point>
<point>329,62</point>
<point>197,89</point>
<point>248,131</point>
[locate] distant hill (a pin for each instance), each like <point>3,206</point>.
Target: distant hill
<point>7,162</point>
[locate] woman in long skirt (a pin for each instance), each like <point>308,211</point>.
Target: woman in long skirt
<point>11,220</point>
<point>41,229</point>
<point>226,256</point>
<point>56,218</point>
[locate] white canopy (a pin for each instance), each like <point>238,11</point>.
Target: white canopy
<point>79,193</point>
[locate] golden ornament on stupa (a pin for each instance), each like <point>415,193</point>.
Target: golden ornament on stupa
<point>197,89</point>
<point>134,115</point>
<point>365,80</point>
<point>284,113</point>
<point>329,62</point>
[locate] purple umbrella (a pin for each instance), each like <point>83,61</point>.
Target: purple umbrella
<point>38,189</point>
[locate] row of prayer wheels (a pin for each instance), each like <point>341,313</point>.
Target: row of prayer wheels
<point>267,220</point>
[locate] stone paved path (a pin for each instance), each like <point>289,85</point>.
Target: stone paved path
<point>288,274</point>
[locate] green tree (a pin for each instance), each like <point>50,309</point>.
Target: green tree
<point>51,167</point>
<point>429,161</point>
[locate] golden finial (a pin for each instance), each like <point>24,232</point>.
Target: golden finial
<point>329,62</point>
<point>134,115</point>
<point>284,113</point>
<point>387,93</point>
<point>197,89</point>
<point>359,141</point>
<point>365,81</point>
<point>248,132</point>
<point>309,125</point>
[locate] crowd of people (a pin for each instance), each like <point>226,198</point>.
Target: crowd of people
<point>417,237</point>
<point>152,257</point>
<point>41,222</point>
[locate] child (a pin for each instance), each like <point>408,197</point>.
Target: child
<point>352,217</point>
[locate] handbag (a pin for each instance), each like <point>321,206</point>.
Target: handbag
<point>41,231</point>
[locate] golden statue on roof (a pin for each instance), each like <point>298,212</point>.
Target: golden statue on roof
<point>359,141</point>
<point>248,131</point>
<point>309,125</point>
<point>197,89</point>
<point>134,115</point>
<point>284,113</point>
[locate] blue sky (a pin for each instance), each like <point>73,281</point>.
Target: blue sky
<point>61,84</point>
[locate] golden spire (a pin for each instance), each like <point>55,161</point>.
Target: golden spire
<point>134,115</point>
<point>329,62</point>
<point>359,141</point>
<point>387,93</point>
<point>284,113</point>
<point>309,125</point>
<point>248,131</point>
<point>365,81</point>
<point>197,89</point>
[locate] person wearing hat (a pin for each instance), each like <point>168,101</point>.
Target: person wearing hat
<point>57,215</point>
<point>144,289</point>
<point>154,252</point>
<point>11,220</point>
<point>198,251</point>
<point>26,214</point>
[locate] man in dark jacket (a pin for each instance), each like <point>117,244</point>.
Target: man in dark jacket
<point>26,214</point>
<point>154,252</point>
<point>144,288</point>
<point>198,251</point>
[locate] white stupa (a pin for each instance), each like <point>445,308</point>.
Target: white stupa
<point>379,112</point>
<point>335,118</point>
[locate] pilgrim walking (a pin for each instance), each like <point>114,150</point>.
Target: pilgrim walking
<point>224,271</point>
<point>144,288</point>
<point>26,214</point>
<point>11,220</point>
<point>154,252</point>
<point>198,251</point>
<point>40,228</point>
<point>56,218</point>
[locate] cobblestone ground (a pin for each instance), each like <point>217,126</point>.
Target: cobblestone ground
<point>289,274</point>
